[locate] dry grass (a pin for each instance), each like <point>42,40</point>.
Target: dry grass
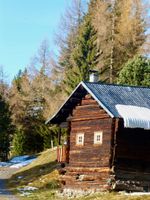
<point>114,196</point>
<point>50,195</point>
<point>43,174</point>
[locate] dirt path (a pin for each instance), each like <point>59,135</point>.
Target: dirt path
<point>6,173</point>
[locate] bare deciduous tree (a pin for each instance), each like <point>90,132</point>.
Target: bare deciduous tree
<point>120,27</point>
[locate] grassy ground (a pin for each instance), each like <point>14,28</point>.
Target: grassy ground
<point>43,174</point>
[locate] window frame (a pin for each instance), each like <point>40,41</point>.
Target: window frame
<point>78,143</point>
<point>98,133</point>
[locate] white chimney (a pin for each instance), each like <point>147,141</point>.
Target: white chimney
<point>93,76</point>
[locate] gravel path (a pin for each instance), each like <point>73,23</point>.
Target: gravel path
<point>6,173</point>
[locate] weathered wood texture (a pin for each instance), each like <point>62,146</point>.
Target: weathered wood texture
<point>86,178</point>
<point>88,118</point>
<point>87,163</point>
<point>121,162</point>
<point>63,154</point>
<point>132,158</point>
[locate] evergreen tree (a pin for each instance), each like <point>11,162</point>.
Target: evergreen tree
<point>5,129</point>
<point>41,94</point>
<point>4,88</point>
<point>19,143</point>
<point>136,72</point>
<point>66,40</point>
<point>84,56</point>
<point>19,98</point>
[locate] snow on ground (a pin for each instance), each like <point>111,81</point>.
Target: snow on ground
<point>27,190</point>
<point>22,164</point>
<point>5,164</point>
<point>137,193</point>
<point>134,193</point>
<point>18,161</point>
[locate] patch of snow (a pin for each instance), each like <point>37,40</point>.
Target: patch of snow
<point>25,194</point>
<point>22,164</point>
<point>136,193</point>
<point>134,116</point>
<point>26,191</point>
<point>18,161</point>
<point>28,188</point>
<point>5,164</point>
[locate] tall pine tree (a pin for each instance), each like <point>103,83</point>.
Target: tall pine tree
<point>5,129</point>
<point>84,56</point>
<point>19,98</point>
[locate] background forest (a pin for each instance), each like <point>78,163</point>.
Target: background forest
<point>110,36</point>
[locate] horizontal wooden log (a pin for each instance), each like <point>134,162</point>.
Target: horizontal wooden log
<point>84,164</point>
<point>87,106</point>
<point>90,118</point>
<point>100,176</point>
<point>105,129</point>
<point>88,169</point>
<point>94,123</point>
<point>88,101</point>
<point>90,113</point>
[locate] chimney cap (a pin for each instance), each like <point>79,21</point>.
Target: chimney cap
<point>93,76</point>
<point>93,71</point>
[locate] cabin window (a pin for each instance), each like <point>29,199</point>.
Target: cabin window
<point>80,139</point>
<point>98,137</point>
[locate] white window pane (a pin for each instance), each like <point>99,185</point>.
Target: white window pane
<point>98,137</point>
<point>80,139</point>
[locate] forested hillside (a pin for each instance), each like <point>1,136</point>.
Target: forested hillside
<point>111,37</point>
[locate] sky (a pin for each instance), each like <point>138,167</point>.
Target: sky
<point>24,24</point>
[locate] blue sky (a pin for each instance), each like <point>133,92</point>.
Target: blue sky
<point>24,24</point>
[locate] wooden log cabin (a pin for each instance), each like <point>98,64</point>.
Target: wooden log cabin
<point>109,137</point>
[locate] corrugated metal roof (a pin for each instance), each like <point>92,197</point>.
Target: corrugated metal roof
<point>108,96</point>
<point>111,95</point>
<point>134,116</point>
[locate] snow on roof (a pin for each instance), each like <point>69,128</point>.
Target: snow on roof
<point>134,116</point>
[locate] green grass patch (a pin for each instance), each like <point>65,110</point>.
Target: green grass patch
<point>42,173</point>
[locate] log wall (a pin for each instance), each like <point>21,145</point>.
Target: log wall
<point>89,165</point>
<point>132,159</point>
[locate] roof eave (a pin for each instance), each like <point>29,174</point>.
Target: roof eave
<point>90,92</point>
<point>63,104</point>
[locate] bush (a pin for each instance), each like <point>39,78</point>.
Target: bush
<point>136,72</point>
<point>37,138</point>
<point>19,143</point>
<point>26,142</point>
